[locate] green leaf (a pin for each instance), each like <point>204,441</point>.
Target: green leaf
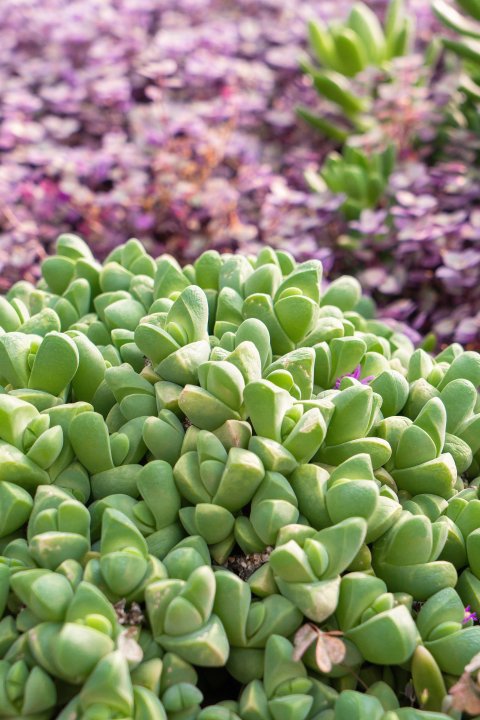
<point>321,43</point>
<point>471,6</point>
<point>367,27</point>
<point>329,129</point>
<point>467,49</point>
<point>336,88</point>
<point>455,21</point>
<point>350,51</point>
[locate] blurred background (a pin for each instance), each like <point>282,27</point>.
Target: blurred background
<point>199,124</point>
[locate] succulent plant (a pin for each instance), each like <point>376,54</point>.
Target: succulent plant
<point>26,693</point>
<point>465,23</point>
<point>180,613</point>
<point>343,50</point>
<point>123,567</point>
<point>362,178</point>
<point>80,624</point>
<point>58,528</point>
<point>109,692</point>
<point>249,622</point>
<point>447,635</point>
<point>307,566</point>
<point>360,41</point>
<point>243,481</point>
<point>378,623</point>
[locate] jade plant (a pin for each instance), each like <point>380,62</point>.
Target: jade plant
<point>228,494</point>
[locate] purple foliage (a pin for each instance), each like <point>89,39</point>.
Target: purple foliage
<point>423,257</point>
<point>174,122</point>
<point>170,121</point>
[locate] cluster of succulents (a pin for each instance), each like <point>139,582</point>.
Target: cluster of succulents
<point>228,494</point>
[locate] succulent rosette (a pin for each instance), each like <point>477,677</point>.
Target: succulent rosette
<point>26,693</point>
<point>122,568</point>
<point>180,613</point>
<point>109,690</point>
<point>58,528</point>
<point>226,474</point>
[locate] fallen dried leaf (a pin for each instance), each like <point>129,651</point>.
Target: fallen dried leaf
<point>329,651</point>
<point>465,695</point>
<point>304,637</point>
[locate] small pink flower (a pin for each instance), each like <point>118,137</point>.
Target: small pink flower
<point>356,375</point>
<point>469,616</point>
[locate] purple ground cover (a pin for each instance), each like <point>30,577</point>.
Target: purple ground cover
<point>175,122</point>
